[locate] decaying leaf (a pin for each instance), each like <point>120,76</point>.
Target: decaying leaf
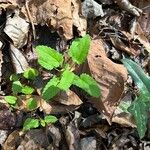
<point>72,135</point>
<point>55,134</point>
<point>62,103</point>
<point>78,20</point>
<point>10,143</point>
<point>121,46</point>
<point>56,14</point>
<point>68,98</point>
<point>11,4</point>
<point>110,76</point>
<point>144,19</point>
<point>17,29</point>
<point>18,59</point>
<point>61,15</point>
<point>126,5</point>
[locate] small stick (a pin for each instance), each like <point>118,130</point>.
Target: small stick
<point>30,18</point>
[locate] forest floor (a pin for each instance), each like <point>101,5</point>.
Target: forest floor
<point>118,60</point>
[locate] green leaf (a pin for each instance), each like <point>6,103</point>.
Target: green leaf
<point>30,73</point>
<point>50,119</point>
<point>79,49</point>
<point>30,124</point>
<point>141,105</point>
<point>48,57</point>
<point>139,110</point>
<point>66,80</point>
<point>124,105</point>
<point>42,122</point>
<point>51,89</point>
<point>27,90</point>
<point>11,100</point>
<point>88,84</point>
<point>14,77</point>
<point>138,75</point>
<point>17,87</point>
<point>31,104</point>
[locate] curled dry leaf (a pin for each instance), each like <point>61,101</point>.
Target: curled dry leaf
<point>78,20</point>
<point>110,76</point>
<point>121,46</point>
<point>126,5</point>
<point>12,141</point>
<point>56,14</point>
<point>8,4</point>
<point>144,19</point>
<point>62,103</point>
<point>68,98</point>
<point>59,14</point>
<point>73,136</point>
<point>17,29</point>
<point>55,134</point>
<point>124,119</point>
<point>18,59</point>
<point>56,108</point>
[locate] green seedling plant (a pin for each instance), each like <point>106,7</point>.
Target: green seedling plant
<point>22,89</point>
<point>140,106</point>
<point>31,123</point>
<point>50,59</point>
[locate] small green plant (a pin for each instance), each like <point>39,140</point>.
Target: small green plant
<point>140,106</point>
<point>31,123</point>
<point>21,89</point>
<point>50,59</point>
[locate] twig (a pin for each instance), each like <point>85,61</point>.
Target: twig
<point>30,18</point>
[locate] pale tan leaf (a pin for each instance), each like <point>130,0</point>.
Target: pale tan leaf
<point>68,98</point>
<point>19,61</point>
<point>17,29</point>
<point>78,20</point>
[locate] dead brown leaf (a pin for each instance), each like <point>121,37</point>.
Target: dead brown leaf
<point>110,76</point>
<point>68,98</point>
<point>12,141</point>
<point>60,15</point>
<point>56,14</point>
<point>144,19</point>
<point>78,20</point>
<point>121,46</point>
<point>18,59</point>
<point>126,5</point>
<point>17,29</point>
<point>8,4</point>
